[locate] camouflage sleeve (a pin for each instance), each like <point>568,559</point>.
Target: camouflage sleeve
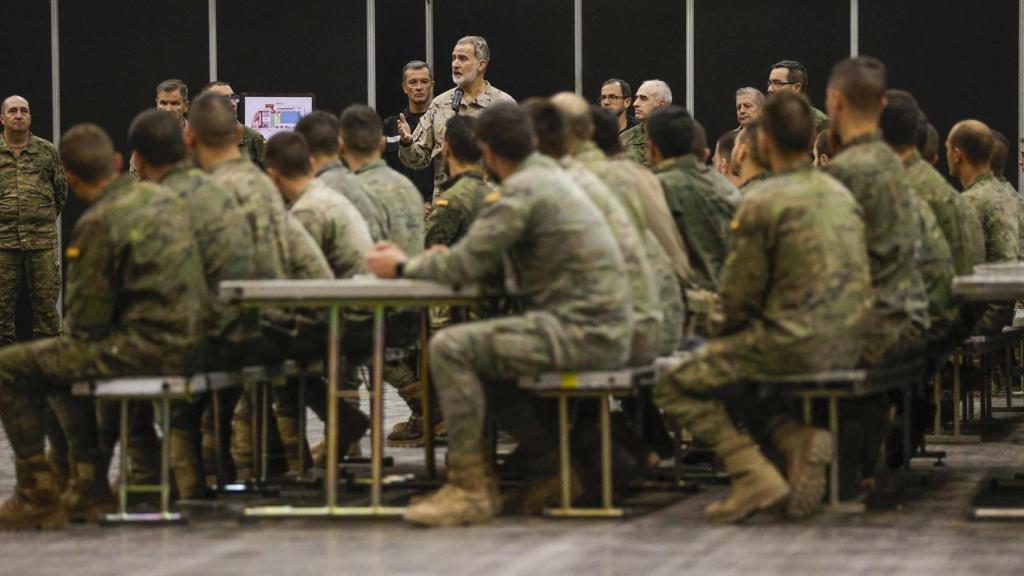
<point>745,274</point>
<point>313,222</point>
<point>306,262</point>
<point>480,252</point>
<point>1000,232</point>
<point>444,223</point>
<point>90,292</point>
<point>419,153</point>
<point>259,155</point>
<point>60,186</point>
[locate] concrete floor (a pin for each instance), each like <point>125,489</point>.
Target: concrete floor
<point>927,533</point>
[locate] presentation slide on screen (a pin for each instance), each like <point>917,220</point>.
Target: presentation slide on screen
<point>269,114</point>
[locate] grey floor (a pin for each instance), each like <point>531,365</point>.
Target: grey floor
<point>927,533</point>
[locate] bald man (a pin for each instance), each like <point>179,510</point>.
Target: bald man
<point>33,191</point>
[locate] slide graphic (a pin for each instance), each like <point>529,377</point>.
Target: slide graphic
<point>270,114</point>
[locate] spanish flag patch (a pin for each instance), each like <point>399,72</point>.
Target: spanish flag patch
<point>73,252</point>
<point>441,202</point>
<point>492,197</point>
<point>734,225</point>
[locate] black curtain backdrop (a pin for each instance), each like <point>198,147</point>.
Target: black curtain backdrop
<point>737,42</point>
<point>635,42</point>
<point>401,37</point>
<point>959,61</point>
<point>531,43</point>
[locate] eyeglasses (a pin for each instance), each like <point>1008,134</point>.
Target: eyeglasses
<point>235,98</point>
<point>611,97</point>
<point>777,83</point>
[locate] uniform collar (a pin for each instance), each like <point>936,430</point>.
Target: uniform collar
<point>370,166</point>
<point>871,138</point>
<point>981,179</point>
<point>687,162</point>
<point>32,147</point>
<point>111,190</point>
<point>471,174</point>
<point>332,165</point>
<point>589,151</point>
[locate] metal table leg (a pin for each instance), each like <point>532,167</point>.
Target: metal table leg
<point>428,416</point>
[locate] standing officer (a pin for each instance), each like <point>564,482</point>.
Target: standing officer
<point>418,85</point>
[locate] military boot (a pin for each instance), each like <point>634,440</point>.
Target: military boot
<point>61,468</point>
<point>36,502</point>
<point>412,433</point>
<point>807,451</point>
<point>295,444</point>
<point>756,484</point>
<point>186,466</point>
<point>470,496</point>
<point>88,497</point>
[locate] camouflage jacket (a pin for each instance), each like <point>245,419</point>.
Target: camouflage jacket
<point>339,178</point>
<point>947,207</point>
<point>935,265</point>
<point>399,201</point>
<point>225,245</point>
<point>561,258</point>
<point>1020,211</point>
<point>634,144</point>
<point>253,146</point>
<point>821,120</point>
<point>873,173</point>
<point>999,215</point>
<point>699,202</point>
<point>798,275</point>
<point>135,280</point>
<point>33,191</point>
<point>336,226</point>
<point>455,208</point>
<point>428,137</point>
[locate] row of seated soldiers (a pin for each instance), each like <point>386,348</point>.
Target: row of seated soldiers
<point>603,263</point>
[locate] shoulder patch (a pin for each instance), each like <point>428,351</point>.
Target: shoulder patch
<point>492,197</point>
<point>735,224</point>
<point>73,252</point>
<point>441,202</point>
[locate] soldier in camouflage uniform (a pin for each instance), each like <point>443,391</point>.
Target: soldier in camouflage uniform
<point>461,197</point>
<point>650,96</point>
<point>251,143</point>
<point>1000,153</point>
<point>968,155</point>
<point>136,303</point>
<point>32,193</point>
<point>322,132</point>
<point>226,252</point>
<point>747,164</point>
<point>568,271</point>
<point>796,294</point>
<point>471,59</point>
<point>697,195</point>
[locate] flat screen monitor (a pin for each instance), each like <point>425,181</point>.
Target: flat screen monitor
<point>269,114</point>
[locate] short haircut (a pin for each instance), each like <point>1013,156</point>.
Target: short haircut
<point>900,119</point>
<point>787,120</point>
<point>726,142</point>
<point>627,90</point>
<point>460,134</point>
<point>361,129</point>
<point>172,85</point>
<point>87,152</point>
<point>796,72</point>
<point>700,139</point>
<point>928,141</point>
<point>862,81</point>
<point>507,130</point>
<point>975,140</point>
<point>1000,153</point>
<point>823,143</point>
<point>747,136</point>
<point>416,65</point>
<point>661,90</point>
<point>672,129</point>
<point>288,154</point>
<point>481,49</point>
<point>576,111</point>
<point>212,119</point>
<point>757,94</point>
<point>214,84</point>
<point>606,130</point>
<point>550,127</point>
<point>321,131</point>
<point>155,135</point>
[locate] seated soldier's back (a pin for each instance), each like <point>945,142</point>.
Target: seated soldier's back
<point>336,226</point>
<point>399,201</point>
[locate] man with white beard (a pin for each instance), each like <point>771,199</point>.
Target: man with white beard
<point>471,58</point>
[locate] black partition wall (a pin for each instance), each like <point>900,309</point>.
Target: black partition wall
<point>737,42</point>
<point>400,37</point>
<point>958,60</point>
<point>635,42</point>
<point>26,69</point>
<point>531,42</point>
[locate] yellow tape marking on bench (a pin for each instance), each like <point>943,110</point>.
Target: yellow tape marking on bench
<point>570,381</point>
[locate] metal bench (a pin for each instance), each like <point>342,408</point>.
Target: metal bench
<point>602,385</point>
<point>162,389</point>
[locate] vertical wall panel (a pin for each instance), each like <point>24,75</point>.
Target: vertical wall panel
<point>401,37</point>
<point>737,42</point>
<point>959,61</point>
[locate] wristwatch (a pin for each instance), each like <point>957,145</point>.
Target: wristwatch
<point>400,269</point>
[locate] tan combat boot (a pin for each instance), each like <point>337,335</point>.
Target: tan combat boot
<point>36,502</point>
<point>186,467</point>
<point>756,484</point>
<point>470,496</point>
<point>60,467</point>
<point>88,497</point>
<point>294,441</point>
<point>808,451</point>
<point>242,443</point>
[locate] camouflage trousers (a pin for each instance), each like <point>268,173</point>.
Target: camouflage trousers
<point>670,298</point>
<point>40,269</point>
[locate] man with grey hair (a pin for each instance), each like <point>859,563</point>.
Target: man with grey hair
<point>418,86</point>
<point>748,105</point>
<point>651,95</point>
<point>172,96</point>
<point>471,58</point>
